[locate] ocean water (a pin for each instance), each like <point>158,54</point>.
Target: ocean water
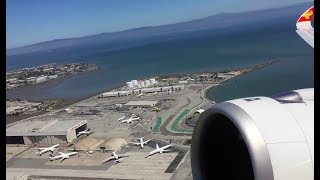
<point>207,52</point>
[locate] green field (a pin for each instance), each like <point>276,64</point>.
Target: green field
<point>174,125</point>
<point>158,124</point>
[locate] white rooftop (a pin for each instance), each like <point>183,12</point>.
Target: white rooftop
<point>40,128</point>
<point>141,103</point>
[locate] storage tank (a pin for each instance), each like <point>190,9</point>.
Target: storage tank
<point>134,82</point>
<point>152,81</point>
<point>129,84</point>
<point>142,84</point>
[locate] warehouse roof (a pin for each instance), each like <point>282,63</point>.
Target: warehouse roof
<point>141,103</point>
<point>43,128</point>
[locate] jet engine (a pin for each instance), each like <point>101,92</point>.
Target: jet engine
<point>262,138</point>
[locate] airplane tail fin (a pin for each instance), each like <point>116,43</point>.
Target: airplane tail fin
<point>157,146</point>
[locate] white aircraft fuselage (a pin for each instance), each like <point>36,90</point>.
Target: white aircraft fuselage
<point>85,132</point>
<point>121,118</point>
<point>44,150</point>
<point>63,156</point>
<point>160,149</point>
<point>115,157</point>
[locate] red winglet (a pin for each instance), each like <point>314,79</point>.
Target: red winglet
<point>307,16</point>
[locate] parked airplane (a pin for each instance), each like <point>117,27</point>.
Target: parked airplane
<point>85,132</point>
<point>115,157</point>
<point>160,149</point>
<point>44,150</point>
<point>141,143</point>
<point>62,156</point>
<point>130,119</point>
<point>169,92</point>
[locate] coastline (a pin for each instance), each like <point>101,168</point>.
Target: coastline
<point>250,69</point>
<point>65,102</point>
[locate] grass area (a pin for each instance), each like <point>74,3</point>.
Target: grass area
<point>158,124</point>
<point>174,125</point>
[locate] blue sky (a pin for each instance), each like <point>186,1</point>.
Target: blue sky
<point>33,21</point>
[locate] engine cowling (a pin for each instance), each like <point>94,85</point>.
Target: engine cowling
<point>258,138</point>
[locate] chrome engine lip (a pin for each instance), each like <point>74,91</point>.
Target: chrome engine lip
<point>258,151</point>
<point>288,97</point>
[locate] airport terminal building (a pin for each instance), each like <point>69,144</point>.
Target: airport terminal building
<point>141,104</point>
<point>44,132</point>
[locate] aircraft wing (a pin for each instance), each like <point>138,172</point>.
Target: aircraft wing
<point>106,160</point>
<point>64,154</point>
<point>148,140</point>
<point>121,118</point>
<point>304,27</point>
<point>135,143</point>
<point>166,150</point>
<point>123,155</point>
<point>63,158</point>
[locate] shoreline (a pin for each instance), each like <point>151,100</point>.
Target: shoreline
<point>65,102</point>
<point>250,69</point>
<point>57,80</point>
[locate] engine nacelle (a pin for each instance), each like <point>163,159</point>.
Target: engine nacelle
<point>258,138</point>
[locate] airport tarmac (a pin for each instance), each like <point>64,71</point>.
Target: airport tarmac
<point>136,166</point>
<point>105,126</point>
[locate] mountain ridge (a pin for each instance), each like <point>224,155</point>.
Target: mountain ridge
<point>214,22</point>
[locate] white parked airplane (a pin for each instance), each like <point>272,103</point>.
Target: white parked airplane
<point>47,149</point>
<point>115,157</point>
<point>130,119</point>
<point>62,156</point>
<point>141,143</point>
<point>85,132</point>
<point>160,149</point>
<point>304,27</point>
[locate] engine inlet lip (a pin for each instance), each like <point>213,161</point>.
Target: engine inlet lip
<point>259,155</point>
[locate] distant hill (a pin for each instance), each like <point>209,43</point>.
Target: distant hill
<point>219,23</point>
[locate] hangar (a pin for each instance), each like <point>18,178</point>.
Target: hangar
<point>44,132</point>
